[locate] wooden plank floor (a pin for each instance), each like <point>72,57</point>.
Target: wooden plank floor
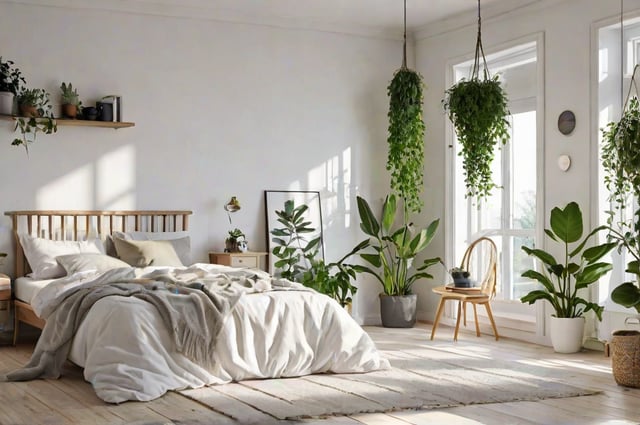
<point>71,400</point>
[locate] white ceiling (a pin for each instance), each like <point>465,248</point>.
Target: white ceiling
<point>363,17</point>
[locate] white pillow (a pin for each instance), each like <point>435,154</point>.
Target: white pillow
<point>74,263</point>
<point>180,240</point>
<point>147,253</point>
<point>41,254</point>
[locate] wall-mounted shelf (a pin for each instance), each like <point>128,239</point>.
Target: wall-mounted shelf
<point>81,123</point>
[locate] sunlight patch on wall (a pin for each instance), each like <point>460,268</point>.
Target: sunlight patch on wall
<point>333,179</point>
<point>71,191</point>
<point>115,180</point>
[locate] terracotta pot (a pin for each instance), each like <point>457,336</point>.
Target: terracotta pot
<point>69,110</point>
<point>29,111</point>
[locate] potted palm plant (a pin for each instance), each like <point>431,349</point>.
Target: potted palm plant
<point>392,252</point>
<point>562,280</point>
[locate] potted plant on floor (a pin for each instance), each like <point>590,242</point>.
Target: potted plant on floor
<point>392,253</point>
<point>298,257</point>
<point>477,107</point>
<point>11,81</point>
<point>562,280</point>
<point>35,117</point>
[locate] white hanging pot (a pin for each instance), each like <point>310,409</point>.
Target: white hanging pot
<point>567,334</point>
<point>6,103</point>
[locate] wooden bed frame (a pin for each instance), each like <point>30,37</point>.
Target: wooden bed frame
<point>78,225</point>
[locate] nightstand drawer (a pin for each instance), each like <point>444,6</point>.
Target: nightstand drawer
<point>237,259</point>
<point>244,261</point>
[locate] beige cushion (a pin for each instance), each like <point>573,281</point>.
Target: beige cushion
<point>74,263</point>
<point>147,253</point>
<point>180,240</point>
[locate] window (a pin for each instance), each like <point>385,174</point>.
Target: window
<point>510,215</point>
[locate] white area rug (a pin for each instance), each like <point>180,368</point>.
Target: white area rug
<point>424,376</point>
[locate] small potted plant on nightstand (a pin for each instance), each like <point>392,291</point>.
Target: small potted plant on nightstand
<point>235,242</point>
<point>70,101</point>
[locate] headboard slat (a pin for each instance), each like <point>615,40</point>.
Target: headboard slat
<point>47,225</point>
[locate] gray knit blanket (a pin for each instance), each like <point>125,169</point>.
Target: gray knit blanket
<point>193,303</point>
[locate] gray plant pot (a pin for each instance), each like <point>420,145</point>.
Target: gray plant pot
<point>398,311</point>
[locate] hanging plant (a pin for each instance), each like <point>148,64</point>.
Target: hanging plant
<point>37,117</point>
<point>621,161</point>
<point>405,158</point>
<point>477,107</point>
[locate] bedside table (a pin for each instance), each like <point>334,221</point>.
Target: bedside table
<point>238,259</point>
<point>5,309</point>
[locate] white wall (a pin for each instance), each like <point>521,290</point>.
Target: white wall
<point>566,26</point>
<point>220,109</point>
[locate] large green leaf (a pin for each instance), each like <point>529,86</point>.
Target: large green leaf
<point>595,253</point>
<point>627,295</point>
<point>389,209</point>
<point>368,222</point>
<point>536,295</point>
<point>373,259</point>
<point>591,273</point>
<point>424,237</point>
<point>567,223</point>
<point>544,280</point>
<point>543,256</point>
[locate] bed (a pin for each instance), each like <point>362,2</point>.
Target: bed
<point>129,350</point>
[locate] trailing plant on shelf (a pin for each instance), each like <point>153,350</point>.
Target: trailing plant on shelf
<point>34,105</point>
<point>620,154</point>
<point>70,100</point>
<point>477,107</point>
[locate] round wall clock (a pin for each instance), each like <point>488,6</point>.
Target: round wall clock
<point>566,122</point>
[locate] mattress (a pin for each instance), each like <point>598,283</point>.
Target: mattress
<point>26,288</point>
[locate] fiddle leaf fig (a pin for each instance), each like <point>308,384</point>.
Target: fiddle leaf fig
<point>406,137</point>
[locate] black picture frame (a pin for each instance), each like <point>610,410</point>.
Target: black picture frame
<point>274,201</point>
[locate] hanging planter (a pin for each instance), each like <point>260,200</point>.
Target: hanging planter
<point>477,107</point>
<point>405,158</point>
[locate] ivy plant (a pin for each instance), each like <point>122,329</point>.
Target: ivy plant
<point>406,137</point>
<point>40,119</point>
<point>478,109</point>
<point>620,155</point>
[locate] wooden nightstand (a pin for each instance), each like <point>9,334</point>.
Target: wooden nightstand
<point>238,259</point>
<point>5,309</point>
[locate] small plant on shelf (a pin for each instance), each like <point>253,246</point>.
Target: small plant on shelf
<point>236,241</point>
<point>37,117</point>
<point>71,104</point>
<point>11,81</point>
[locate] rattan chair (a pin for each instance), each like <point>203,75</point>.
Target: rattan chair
<point>480,259</point>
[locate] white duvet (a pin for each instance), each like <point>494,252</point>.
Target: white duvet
<point>128,353</point>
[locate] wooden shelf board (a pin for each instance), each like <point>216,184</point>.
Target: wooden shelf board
<point>81,123</point>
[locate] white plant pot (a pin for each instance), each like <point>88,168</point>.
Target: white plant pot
<point>6,103</point>
<point>567,334</point>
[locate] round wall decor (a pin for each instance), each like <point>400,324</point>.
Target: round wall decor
<point>566,122</point>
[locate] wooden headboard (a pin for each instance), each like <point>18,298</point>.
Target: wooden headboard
<point>78,225</point>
